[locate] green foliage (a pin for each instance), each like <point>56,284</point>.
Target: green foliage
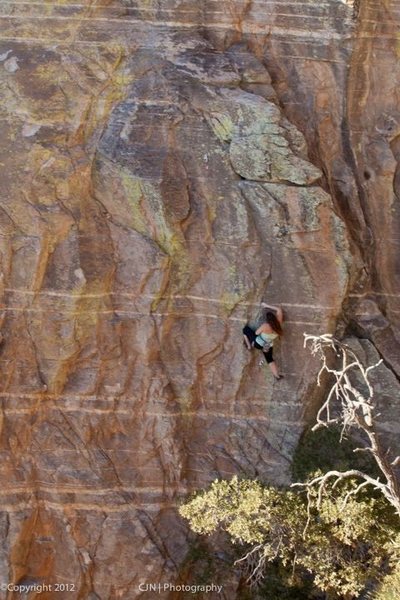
<point>332,549</point>
<point>245,509</point>
<point>342,546</point>
<point>389,588</point>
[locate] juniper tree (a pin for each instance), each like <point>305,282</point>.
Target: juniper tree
<point>337,533</point>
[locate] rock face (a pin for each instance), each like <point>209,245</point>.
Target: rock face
<point>165,167</point>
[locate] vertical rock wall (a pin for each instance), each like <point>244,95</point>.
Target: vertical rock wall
<point>155,187</point>
<point>339,86</point>
<point>374,131</point>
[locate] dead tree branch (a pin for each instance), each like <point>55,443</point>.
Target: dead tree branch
<point>254,562</point>
<point>354,407</point>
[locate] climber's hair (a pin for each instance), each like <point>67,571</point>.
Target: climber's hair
<point>273,322</point>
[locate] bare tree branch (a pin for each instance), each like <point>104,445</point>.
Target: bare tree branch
<point>354,396</point>
<point>254,562</point>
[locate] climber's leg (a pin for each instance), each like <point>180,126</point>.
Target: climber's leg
<point>249,337</point>
<point>271,363</point>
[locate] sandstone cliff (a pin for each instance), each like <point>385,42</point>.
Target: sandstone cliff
<point>165,166</point>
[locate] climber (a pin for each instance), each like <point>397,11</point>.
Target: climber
<point>263,337</point>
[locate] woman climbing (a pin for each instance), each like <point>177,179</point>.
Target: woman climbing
<point>263,337</point>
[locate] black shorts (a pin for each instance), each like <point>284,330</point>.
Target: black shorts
<point>251,336</point>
